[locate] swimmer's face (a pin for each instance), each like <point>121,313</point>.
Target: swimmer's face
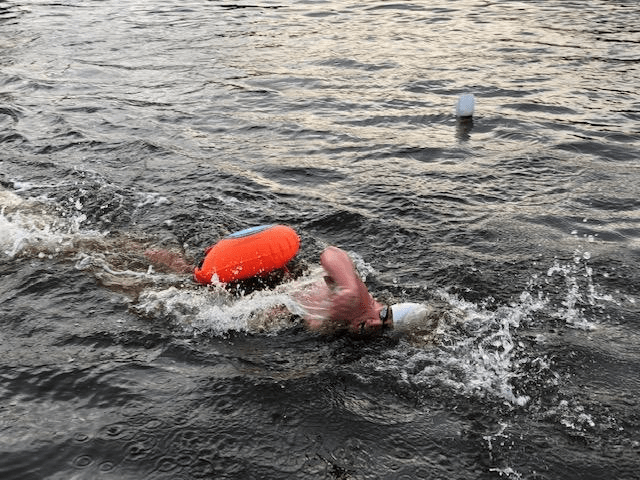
<point>371,326</point>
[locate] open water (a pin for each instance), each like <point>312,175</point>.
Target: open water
<point>127,125</point>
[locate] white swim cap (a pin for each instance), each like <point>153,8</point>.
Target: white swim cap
<point>405,312</point>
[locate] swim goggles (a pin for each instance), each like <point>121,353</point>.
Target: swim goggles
<point>386,314</point>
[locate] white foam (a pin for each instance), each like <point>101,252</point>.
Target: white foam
<point>473,351</point>
<point>30,225</point>
<point>216,311</point>
<point>507,472</point>
<point>18,231</point>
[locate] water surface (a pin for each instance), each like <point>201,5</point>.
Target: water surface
<point>149,124</point>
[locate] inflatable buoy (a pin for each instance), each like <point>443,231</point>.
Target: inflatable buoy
<point>248,253</point>
<point>465,106</point>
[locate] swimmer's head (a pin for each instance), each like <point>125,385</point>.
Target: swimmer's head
<point>407,315</point>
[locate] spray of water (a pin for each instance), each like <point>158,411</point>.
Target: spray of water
<point>473,352</point>
<point>580,291</point>
<point>214,311</point>
<point>31,228</point>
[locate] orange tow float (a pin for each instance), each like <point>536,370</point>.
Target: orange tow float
<point>248,253</point>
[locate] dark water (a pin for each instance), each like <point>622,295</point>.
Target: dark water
<point>130,125</point>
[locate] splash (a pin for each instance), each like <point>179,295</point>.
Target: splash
<point>474,350</point>
<point>494,442</point>
<point>215,311</point>
<point>28,227</point>
<point>580,291</point>
<point>363,268</point>
<point>478,350</point>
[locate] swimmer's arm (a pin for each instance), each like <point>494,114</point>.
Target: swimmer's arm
<point>339,268</point>
<point>314,324</point>
<point>343,284</point>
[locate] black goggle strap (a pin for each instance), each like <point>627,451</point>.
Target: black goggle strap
<point>385,315</point>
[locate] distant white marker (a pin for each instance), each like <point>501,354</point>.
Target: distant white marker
<point>465,106</point>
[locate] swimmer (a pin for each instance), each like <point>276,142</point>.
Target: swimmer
<point>341,302</point>
<point>345,302</point>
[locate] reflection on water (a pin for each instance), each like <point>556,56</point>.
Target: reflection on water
<point>463,128</point>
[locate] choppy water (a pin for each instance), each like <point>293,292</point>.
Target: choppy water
<point>129,125</point>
